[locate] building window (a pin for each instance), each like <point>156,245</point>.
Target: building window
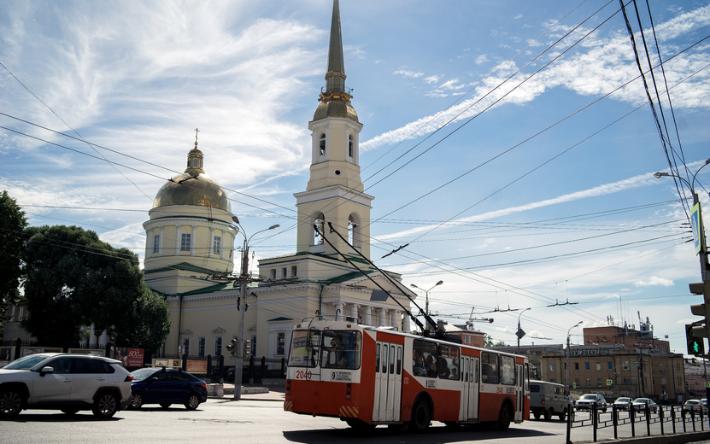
<point>186,347</point>
<point>185,242</point>
<point>321,144</point>
<point>218,346</point>
<point>217,245</point>
<point>156,244</point>
<point>318,222</point>
<point>626,365</point>
<point>599,382</point>
<point>576,365</point>
<point>294,271</point>
<point>273,274</point>
<point>586,365</point>
<point>283,273</point>
<point>281,344</point>
<point>599,366</point>
<point>588,382</point>
<point>350,146</point>
<point>201,347</point>
<point>610,365</point>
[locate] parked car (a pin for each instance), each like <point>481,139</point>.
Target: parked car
<point>585,402</point>
<point>69,383</point>
<point>548,399</point>
<point>694,405</point>
<point>167,386</point>
<point>623,403</point>
<point>641,403</point>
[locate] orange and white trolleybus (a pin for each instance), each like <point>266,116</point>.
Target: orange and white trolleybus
<point>368,376</point>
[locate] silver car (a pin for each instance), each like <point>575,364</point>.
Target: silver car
<point>585,402</point>
<point>640,405</point>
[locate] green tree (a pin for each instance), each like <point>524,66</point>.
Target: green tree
<point>12,226</point>
<point>74,279</point>
<point>145,325</point>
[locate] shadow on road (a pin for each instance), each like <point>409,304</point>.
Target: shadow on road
<point>60,417</point>
<point>433,434</point>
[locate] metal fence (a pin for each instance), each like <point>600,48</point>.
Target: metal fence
<point>631,422</point>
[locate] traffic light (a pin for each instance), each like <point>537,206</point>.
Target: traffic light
<point>700,329</point>
<point>232,346</point>
<point>696,345</point>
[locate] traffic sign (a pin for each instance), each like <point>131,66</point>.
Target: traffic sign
<point>520,333</point>
<point>696,223</point>
<point>609,382</point>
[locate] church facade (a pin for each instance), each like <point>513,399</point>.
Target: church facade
<point>191,233</point>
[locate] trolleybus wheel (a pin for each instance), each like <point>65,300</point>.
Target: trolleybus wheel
<point>504,417</point>
<point>359,425</point>
<point>421,416</point>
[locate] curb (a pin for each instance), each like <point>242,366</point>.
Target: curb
<point>664,439</point>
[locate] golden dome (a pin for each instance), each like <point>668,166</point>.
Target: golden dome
<point>335,108</point>
<point>187,189</point>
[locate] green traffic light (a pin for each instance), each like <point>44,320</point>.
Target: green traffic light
<point>696,347</point>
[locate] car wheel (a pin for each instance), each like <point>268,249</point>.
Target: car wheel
<point>421,416</point>
<point>536,415</point>
<point>165,405</point>
<point>562,415</point>
<point>105,405</point>
<point>548,414</point>
<point>70,412</point>
<point>10,403</point>
<point>136,401</point>
<point>192,402</point>
<point>504,417</point>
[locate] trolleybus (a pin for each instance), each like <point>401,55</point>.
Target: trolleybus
<point>368,376</point>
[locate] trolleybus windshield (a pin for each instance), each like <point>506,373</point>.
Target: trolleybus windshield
<point>341,349</point>
<point>305,347</point>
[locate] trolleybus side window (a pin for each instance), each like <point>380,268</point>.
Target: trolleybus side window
<point>341,349</point>
<point>304,348</point>
<point>391,359</point>
<point>399,360</point>
<point>507,370</point>
<point>447,362</point>
<point>489,368</point>
<point>377,360</point>
<point>424,360</point>
<point>384,358</point>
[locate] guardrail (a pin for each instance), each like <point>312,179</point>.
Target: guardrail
<point>670,420</point>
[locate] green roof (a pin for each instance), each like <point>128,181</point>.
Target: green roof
<point>181,266</point>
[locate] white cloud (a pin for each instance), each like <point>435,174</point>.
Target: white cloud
<point>518,17</point>
<point>595,68</point>
<point>654,281</point>
<point>408,73</point>
<point>533,43</point>
<point>481,59</point>
<point>432,79</point>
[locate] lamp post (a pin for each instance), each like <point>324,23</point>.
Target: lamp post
<point>242,306</point>
<point>696,201</point>
<point>567,360</point>
<point>520,333</point>
<point>426,295</point>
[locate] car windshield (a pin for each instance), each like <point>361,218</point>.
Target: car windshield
<point>623,400</point>
<point>641,400</point>
<point>143,373</point>
<point>26,363</point>
<point>589,397</point>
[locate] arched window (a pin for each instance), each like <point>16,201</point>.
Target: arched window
<point>318,221</point>
<point>350,146</point>
<point>321,144</point>
<point>354,231</point>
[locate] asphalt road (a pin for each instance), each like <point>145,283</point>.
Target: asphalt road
<point>248,421</point>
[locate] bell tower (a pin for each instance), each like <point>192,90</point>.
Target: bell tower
<point>335,191</point>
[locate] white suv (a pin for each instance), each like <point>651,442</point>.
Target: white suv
<point>64,382</point>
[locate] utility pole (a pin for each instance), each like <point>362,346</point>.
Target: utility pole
<point>242,307</point>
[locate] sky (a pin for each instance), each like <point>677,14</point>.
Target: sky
<point>510,144</point>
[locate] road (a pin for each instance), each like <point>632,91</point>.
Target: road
<point>248,421</point>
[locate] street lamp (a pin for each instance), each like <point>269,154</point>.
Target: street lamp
<point>426,295</point>
<point>242,307</point>
<point>567,360</point>
<point>520,333</point>
<point>696,201</point>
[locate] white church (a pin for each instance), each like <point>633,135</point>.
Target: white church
<point>191,233</point>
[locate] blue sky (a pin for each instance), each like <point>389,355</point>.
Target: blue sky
<point>139,77</point>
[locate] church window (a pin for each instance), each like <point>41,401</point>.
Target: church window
<point>156,243</point>
<point>320,223</point>
<point>281,343</point>
<point>321,144</point>
<point>217,245</point>
<point>201,348</point>
<point>218,346</point>
<point>273,274</point>
<point>350,146</point>
<point>186,242</point>
<point>353,233</point>
<point>283,273</point>
<point>294,271</point>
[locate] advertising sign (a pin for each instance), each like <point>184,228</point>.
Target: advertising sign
<point>134,357</point>
<point>197,366</point>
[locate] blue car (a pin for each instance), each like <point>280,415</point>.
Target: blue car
<point>166,386</point>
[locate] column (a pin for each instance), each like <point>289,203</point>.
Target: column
<point>367,317</point>
<point>391,318</point>
<point>381,317</point>
<point>339,314</point>
<point>352,311</point>
<point>405,324</point>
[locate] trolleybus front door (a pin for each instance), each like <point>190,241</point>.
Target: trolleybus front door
<point>520,402</point>
<point>469,397</point>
